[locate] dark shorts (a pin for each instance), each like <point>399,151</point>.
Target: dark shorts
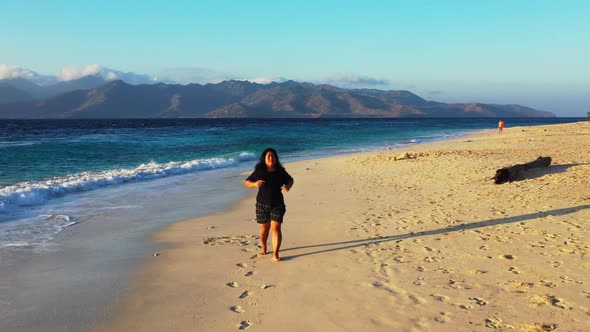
<point>266,212</point>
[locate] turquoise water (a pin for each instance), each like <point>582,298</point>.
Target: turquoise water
<point>33,150</point>
<point>45,163</point>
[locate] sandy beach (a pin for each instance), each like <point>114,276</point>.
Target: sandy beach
<point>415,239</point>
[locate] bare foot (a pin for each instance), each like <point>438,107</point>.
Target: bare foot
<point>262,253</point>
<point>276,259</point>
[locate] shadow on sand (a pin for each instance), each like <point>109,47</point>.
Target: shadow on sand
<point>541,171</point>
<point>480,224</point>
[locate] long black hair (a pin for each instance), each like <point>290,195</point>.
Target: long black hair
<point>262,164</point>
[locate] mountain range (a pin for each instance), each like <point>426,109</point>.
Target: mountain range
<point>93,97</point>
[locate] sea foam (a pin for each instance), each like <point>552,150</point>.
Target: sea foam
<point>34,231</point>
<point>38,192</point>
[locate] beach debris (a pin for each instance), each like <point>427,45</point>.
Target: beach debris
<point>513,173</point>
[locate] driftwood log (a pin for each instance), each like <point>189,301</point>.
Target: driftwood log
<point>509,174</point>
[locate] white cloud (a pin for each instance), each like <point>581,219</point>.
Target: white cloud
<point>187,75</point>
<point>266,80</point>
<point>12,72</point>
<point>179,75</point>
<point>73,72</point>
<point>7,72</point>
<point>69,73</point>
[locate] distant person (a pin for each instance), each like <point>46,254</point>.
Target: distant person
<point>270,177</point>
<point>500,126</point>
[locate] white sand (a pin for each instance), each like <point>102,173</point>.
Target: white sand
<point>426,243</point>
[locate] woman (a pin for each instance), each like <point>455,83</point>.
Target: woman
<point>270,177</point>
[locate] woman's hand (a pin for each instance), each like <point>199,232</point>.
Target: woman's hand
<point>251,184</point>
<point>287,186</point>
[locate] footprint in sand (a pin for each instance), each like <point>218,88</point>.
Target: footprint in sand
<point>242,265</point>
<point>509,257</point>
<point>514,270</point>
<point>565,278</point>
<point>245,294</point>
<point>245,324</point>
<point>539,327</point>
<point>559,303</point>
<point>522,285</point>
<point>249,274</point>
<point>479,301</point>
<point>464,306</point>
<point>547,283</point>
<point>237,309</point>
<point>537,245</point>
<point>440,298</point>
<point>539,300</point>
<point>496,323</point>
<point>233,284</point>
<point>443,318</point>
<point>416,299</point>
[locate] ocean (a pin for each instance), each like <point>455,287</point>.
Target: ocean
<point>79,198</point>
<point>49,168</point>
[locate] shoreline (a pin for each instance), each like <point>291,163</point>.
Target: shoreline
<point>367,237</point>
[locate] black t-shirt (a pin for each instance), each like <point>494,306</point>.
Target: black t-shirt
<point>270,192</point>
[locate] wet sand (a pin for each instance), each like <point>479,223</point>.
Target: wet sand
<point>415,239</point>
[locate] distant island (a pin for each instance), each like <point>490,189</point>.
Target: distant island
<point>93,97</point>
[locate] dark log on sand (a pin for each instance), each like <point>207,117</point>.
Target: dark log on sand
<point>509,174</point>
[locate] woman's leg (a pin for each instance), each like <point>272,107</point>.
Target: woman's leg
<point>264,230</point>
<point>277,238</point>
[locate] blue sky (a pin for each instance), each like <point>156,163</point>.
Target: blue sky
<point>533,53</point>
